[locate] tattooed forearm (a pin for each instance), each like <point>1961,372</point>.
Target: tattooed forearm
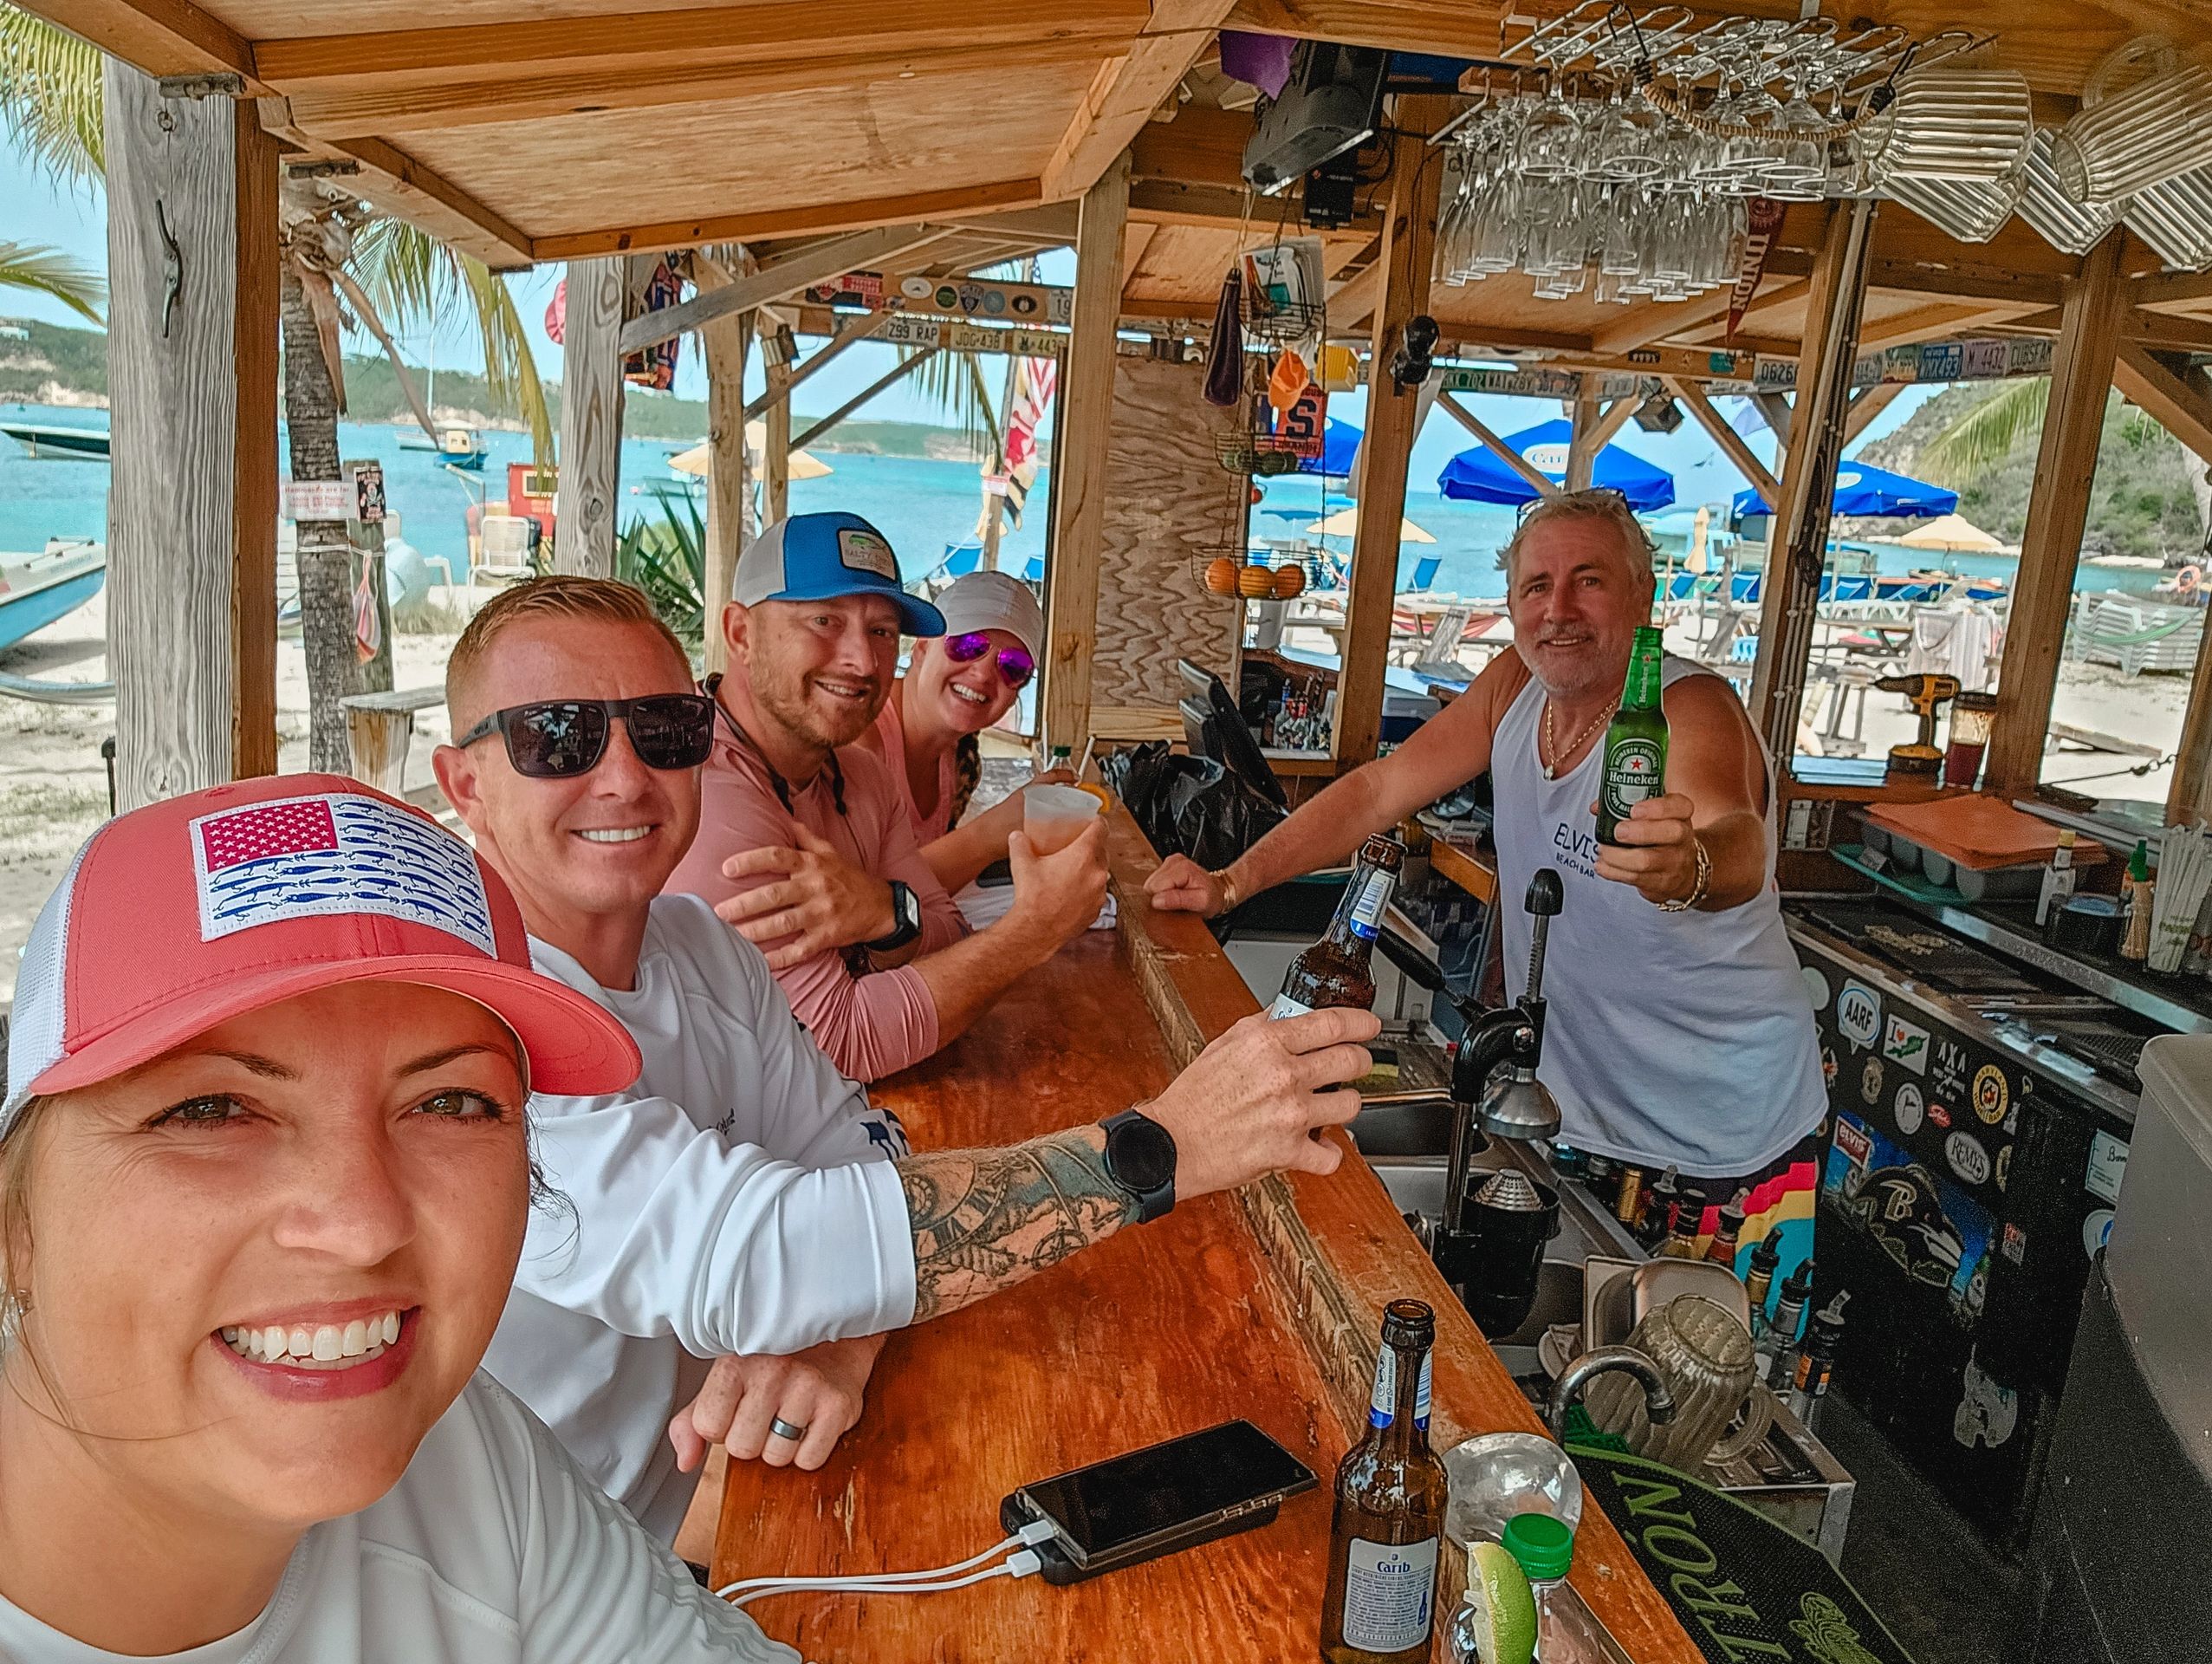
<point>984,1219</point>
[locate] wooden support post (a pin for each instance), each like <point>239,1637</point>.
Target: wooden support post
<point>1084,432</point>
<point>1582,448</point>
<point>2065,467</point>
<point>1797,548</point>
<point>1866,404</point>
<point>850,333</point>
<point>1614,419</point>
<point>590,417</point>
<point>1731,442</point>
<point>191,356</point>
<point>1537,479</point>
<point>727,341</point>
<point>1393,416</point>
<point>776,426</point>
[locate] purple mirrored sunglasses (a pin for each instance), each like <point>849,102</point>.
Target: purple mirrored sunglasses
<point>1015,665</point>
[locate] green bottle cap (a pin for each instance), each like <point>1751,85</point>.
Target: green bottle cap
<point>1543,1546</point>
<point>2138,864</point>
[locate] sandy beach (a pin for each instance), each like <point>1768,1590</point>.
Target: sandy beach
<point>54,785</point>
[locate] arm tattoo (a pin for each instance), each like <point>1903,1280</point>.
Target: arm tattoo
<point>985,1219</point>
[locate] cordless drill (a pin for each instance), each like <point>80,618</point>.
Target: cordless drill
<point>1925,692</point>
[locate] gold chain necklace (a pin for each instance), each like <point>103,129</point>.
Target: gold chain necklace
<point>1551,769</point>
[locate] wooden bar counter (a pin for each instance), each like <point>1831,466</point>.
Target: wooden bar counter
<point>1264,1305</point>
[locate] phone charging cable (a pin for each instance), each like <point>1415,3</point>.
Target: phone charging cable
<point>1023,1562</point>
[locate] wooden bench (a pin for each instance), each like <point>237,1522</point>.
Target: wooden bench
<point>379,728</point>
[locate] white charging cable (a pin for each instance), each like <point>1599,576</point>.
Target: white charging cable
<point>1023,1564</point>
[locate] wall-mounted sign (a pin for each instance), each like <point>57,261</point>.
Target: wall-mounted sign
<point>319,499</point>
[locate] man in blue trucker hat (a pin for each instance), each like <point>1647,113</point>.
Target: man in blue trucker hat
<point>872,954</point>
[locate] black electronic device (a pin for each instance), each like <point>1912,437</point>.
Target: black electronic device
<point>1332,192</point>
<point>1137,1507</point>
<point>1331,104</point>
<point>1214,726</point>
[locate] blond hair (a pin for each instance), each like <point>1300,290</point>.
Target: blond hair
<point>1601,503</point>
<point>562,596</point>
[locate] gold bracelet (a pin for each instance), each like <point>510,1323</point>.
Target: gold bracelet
<point>1229,898</point>
<point>1704,877</point>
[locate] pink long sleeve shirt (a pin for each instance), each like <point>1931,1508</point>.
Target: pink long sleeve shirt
<point>874,1023</point>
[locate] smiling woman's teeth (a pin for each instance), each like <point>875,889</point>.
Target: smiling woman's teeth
<point>613,834</point>
<point>327,1346</point>
<point>967,693</point>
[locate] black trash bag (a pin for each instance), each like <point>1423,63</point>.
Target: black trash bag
<point>1188,805</point>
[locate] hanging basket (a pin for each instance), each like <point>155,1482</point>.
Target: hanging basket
<point>1267,455</point>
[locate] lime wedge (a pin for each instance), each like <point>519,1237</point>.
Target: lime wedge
<point>1500,1616</point>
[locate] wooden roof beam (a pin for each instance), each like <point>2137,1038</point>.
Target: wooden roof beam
<point>2180,400</point>
<point>1125,93</point>
<point>1013,44</point>
<point>833,257</point>
<point>1941,322</point>
<point>161,37</point>
<point>908,209</point>
<point>1727,438</point>
<point>1866,404</point>
<point>1538,481</point>
<point>674,40</point>
<point>2171,291</point>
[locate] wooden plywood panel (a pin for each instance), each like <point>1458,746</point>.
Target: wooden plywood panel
<point>863,142</point>
<point>1183,264</point>
<point>1167,498</point>
<point>263,20</point>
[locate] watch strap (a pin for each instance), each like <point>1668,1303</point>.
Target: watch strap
<point>1159,1198</point>
<point>906,912</point>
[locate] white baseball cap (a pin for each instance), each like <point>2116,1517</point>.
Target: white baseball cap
<point>994,600</point>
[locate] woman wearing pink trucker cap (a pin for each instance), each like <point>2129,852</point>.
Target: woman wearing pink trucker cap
<point>264,1174</point>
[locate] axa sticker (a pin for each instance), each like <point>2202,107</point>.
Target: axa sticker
<point>1870,1081</point>
<point>2096,1230</point>
<point>1859,1014</point>
<point>2107,1165</point>
<point>1948,1077</point>
<point>1910,1110</point>
<point>1992,1095</point>
<point>1816,986</point>
<point>1968,1158</point>
<point>1905,1044</point>
<point>1940,1115</point>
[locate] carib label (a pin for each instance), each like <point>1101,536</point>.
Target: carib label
<point>1635,769</point>
<point>1389,1589</point>
<point>1286,1006</point>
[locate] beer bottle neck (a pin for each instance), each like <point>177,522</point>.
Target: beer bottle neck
<point>1358,917</point>
<point>1642,691</point>
<point>1397,1412</point>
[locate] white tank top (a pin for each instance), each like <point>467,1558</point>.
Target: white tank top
<point>1680,1039</point>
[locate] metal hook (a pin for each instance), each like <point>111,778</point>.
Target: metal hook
<point>172,268</point>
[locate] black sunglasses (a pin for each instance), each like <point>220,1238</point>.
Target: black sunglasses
<point>552,738</point>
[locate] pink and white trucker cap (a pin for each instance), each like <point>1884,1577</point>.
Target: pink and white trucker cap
<point>185,913</point>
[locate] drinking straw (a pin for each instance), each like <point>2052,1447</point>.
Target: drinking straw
<point>2184,876</point>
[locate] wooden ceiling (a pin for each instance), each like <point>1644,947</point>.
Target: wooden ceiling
<point>552,129</point>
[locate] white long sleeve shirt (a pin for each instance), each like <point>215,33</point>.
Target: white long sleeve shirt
<point>738,1199</point>
<point>494,1548</point>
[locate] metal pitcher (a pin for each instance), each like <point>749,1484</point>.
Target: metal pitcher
<point>1706,1358</point>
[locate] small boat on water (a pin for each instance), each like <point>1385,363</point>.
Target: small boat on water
<point>458,447</point>
<point>55,440</point>
<point>35,590</point>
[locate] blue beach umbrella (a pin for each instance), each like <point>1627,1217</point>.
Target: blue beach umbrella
<point>1480,476</point>
<point>1340,445</point>
<point>1861,488</point>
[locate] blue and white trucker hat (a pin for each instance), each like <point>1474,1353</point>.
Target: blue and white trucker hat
<point>822,556</point>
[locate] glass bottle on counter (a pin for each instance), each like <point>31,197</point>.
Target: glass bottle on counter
<point>1682,1235</point>
<point>1661,1203</point>
<point>1816,1361</point>
<point>1759,1282</point>
<point>1380,1601</point>
<point>1336,971</point>
<point>1545,1548</point>
<point>1636,743</point>
<point>2136,892</point>
<point>1721,1249</point>
<point>1628,1202</point>
<point>2058,878</point>
<point>1778,1346</point>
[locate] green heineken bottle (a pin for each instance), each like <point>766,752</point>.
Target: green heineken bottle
<point>1636,743</point>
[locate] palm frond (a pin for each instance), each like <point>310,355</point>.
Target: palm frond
<point>948,381</point>
<point>510,368</point>
<point>667,559</point>
<point>1986,435</point>
<point>51,97</point>
<point>50,272</point>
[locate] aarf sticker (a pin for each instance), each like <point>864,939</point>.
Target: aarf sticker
<point>1911,1109</point>
<point>1967,1157</point>
<point>1992,1095</point>
<point>1905,1044</point>
<point>1859,1014</point>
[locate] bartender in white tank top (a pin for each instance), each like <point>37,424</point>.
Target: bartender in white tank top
<point>1679,1033</point>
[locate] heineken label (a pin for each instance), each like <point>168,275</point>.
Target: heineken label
<point>1635,769</point>
<point>1374,900</point>
<point>1286,1006</point>
<point>1382,1404</point>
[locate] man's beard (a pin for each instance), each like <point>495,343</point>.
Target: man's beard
<point>1574,671</point>
<point>805,720</point>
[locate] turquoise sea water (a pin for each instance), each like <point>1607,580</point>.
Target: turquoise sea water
<point>920,505</point>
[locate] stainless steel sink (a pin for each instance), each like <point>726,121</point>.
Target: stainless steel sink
<point>1418,1125</point>
<point>1415,1184</point>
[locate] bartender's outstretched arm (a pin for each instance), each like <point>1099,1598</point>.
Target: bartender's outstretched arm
<point>1444,752</point>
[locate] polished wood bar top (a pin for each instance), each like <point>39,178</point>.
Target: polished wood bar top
<point>1263,1305</point>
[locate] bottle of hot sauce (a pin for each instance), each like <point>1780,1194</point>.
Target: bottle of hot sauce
<point>1380,1601</point>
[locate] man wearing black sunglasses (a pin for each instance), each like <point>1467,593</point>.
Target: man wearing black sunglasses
<point>743,1205</point>
<point>872,954</point>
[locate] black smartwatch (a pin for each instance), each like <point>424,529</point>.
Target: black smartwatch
<point>907,908</point>
<point>1140,1157</point>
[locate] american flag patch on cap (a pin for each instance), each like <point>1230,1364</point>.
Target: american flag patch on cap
<point>335,853</point>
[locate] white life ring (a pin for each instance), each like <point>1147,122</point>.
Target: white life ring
<point>2188,578</point>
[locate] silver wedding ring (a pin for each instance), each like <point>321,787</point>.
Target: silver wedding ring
<point>783,1429</point>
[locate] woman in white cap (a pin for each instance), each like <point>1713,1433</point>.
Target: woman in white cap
<point>264,1172</point>
<point>956,685</point>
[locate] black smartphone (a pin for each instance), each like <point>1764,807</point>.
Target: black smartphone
<point>1135,1507</point>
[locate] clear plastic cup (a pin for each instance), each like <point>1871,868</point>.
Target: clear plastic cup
<point>1054,816</point>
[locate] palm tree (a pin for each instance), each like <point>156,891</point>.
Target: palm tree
<point>51,273</point>
<point>51,102</point>
<point>1985,436</point>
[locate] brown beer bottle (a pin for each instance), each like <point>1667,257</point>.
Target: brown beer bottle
<point>1335,969</point>
<point>1381,1597</point>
